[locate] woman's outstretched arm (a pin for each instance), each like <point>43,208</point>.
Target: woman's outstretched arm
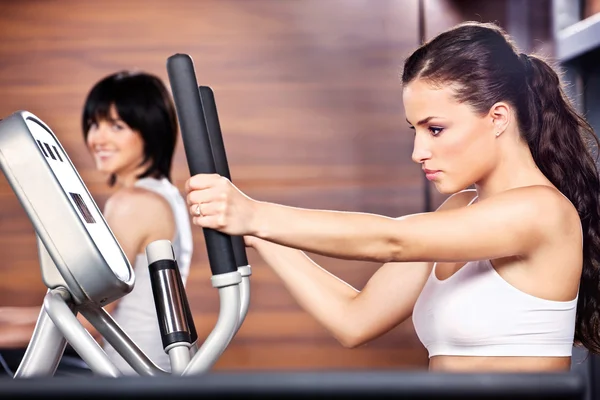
<point>510,223</point>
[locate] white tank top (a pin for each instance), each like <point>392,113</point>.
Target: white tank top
<point>475,312</point>
<point>136,312</point>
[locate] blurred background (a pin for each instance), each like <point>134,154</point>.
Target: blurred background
<point>310,106</point>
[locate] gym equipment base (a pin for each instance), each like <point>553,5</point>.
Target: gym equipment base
<point>317,384</point>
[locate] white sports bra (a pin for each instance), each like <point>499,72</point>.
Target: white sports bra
<point>475,312</point>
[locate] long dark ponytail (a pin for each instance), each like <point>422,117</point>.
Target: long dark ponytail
<point>486,67</point>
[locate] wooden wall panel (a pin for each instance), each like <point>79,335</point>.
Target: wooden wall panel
<point>590,7</point>
<point>310,106</point>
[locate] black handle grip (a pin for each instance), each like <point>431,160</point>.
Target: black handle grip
<point>217,145</point>
<point>184,86</point>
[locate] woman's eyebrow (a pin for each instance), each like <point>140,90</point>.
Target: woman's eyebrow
<point>423,121</point>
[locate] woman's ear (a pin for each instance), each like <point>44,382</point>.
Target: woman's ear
<point>500,117</point>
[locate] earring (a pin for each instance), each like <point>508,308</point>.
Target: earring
<point>497,134</point>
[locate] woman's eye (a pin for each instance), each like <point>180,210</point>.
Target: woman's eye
<point>435,130</point>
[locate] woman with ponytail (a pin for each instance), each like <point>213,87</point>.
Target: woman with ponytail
<point>502,277</point>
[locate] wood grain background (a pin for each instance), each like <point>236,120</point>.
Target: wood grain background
<point>310,106</point>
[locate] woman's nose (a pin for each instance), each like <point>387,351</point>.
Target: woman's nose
<point>421,151</point>
<point>97,135</point>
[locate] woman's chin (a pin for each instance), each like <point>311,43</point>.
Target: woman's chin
<point>102,167</point>
<point>445,187</point>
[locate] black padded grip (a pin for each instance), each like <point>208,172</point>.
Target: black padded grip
<point>217,145</point>
<point>184,86</point>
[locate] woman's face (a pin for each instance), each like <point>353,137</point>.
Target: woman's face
<point>452,143</point>
<point>116,148</point>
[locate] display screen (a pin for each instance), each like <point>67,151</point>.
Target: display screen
<point>83,210</point>
<point>83,205</point>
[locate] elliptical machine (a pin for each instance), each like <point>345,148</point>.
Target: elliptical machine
<point>84,267</point>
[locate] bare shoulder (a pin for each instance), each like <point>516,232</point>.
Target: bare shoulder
<point>135,202</point>
<point>539,213</point>
<point>553,209</point>
<point>545,203</point>
<point>139,214</point>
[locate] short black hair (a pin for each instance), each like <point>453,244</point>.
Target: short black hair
<point>143,102</point>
